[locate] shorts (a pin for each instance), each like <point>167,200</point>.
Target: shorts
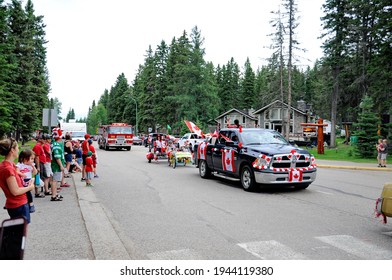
<point>23,210</point>
<point>79,160</point>
<point>68,158</point>
<point>48,168</point>
<point>84,159</point>
<point>383,156</point>
<point>89,175</point>
<point>57,176</point>
<point>42,170</point>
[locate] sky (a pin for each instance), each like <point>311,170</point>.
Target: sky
<point>91,42</point>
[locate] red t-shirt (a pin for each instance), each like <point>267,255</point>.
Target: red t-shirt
<point>89,164</point>
<point>39,152</point>
<point>8,169</point>
<point>47,152</point>
<point>92,149</point>
<point>85,147</point>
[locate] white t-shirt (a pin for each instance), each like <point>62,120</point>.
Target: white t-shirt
<point>25,169</point>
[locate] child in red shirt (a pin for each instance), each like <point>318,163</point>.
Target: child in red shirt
<point>89,169</point>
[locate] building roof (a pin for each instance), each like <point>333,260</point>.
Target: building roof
<point>278,101</point>
<point>238,111</point>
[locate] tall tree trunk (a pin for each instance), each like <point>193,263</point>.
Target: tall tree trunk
<point>334,104</point>
<point>290,58</point>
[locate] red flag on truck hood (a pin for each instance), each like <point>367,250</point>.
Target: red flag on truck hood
<point>193,128</point>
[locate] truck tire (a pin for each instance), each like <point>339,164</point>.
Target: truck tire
<point>204,170</point>
<point>247,178</point>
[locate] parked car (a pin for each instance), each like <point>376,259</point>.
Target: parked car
<point>137,140</point>
<point>255,156</point>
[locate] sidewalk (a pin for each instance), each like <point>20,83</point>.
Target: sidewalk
<point>76,228</point>
<point>351,165</point>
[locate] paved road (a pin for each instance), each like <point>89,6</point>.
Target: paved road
<point>80,228</point>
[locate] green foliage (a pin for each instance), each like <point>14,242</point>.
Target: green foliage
<point>341,152</point>
<point>366,130</point>
<point>24,83</point>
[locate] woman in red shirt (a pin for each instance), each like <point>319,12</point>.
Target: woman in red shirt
<point>11,183</point>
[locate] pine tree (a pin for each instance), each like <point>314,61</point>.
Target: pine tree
<point>6,66</point>
<point>248,87</point>
<point>366,129</point>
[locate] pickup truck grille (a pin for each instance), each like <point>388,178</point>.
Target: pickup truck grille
<point>291,161</point>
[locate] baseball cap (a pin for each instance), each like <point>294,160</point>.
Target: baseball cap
<point>86,136</point>
<point>89,153</point>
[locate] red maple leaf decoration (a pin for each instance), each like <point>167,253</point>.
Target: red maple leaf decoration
<point>228,161</point>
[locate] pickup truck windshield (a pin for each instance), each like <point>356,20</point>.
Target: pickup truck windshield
<point>260,137</point>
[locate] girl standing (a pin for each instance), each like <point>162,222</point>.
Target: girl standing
<point>27,170</point>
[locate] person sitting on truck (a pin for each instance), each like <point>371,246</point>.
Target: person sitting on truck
<point>235,125</point>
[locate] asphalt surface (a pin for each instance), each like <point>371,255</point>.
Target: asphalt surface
<point>79,228</point>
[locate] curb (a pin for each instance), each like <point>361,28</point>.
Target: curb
<point>354,167</point>
<point>105,242</point>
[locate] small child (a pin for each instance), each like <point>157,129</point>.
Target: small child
<point>89,169</point>
<point>26,170</point>
<point>75,165</point>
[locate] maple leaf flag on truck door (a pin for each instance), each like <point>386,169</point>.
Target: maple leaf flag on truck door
<point>193,128</point>
<point>228,160</point>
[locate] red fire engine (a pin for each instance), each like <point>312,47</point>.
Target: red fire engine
<point>115,135</point>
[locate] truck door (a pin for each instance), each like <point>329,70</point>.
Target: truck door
<point>217,151</point>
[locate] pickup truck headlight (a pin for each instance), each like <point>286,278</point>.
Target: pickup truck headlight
<point>262,162</point>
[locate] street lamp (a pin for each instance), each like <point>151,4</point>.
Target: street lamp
<point>136,114</point>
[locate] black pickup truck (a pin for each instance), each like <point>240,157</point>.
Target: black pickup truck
<point>255,156</point>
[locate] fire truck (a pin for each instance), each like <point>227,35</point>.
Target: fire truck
<point>115,135</point>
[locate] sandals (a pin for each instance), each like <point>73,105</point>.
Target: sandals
<point>56,198</point>
<point>39,195</point>
<point>66,185</point>
<point>48,193</point>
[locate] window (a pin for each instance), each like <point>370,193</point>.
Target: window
<point>275,114</point>
<point>267,125</point>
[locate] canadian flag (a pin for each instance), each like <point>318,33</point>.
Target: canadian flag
<point>202,151</point>
<point>193,128</point>
<point>228,160</point>
<point>295,175</point>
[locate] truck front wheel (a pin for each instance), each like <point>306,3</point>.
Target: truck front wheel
<point>248,181</point>
<point>204,170</point>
